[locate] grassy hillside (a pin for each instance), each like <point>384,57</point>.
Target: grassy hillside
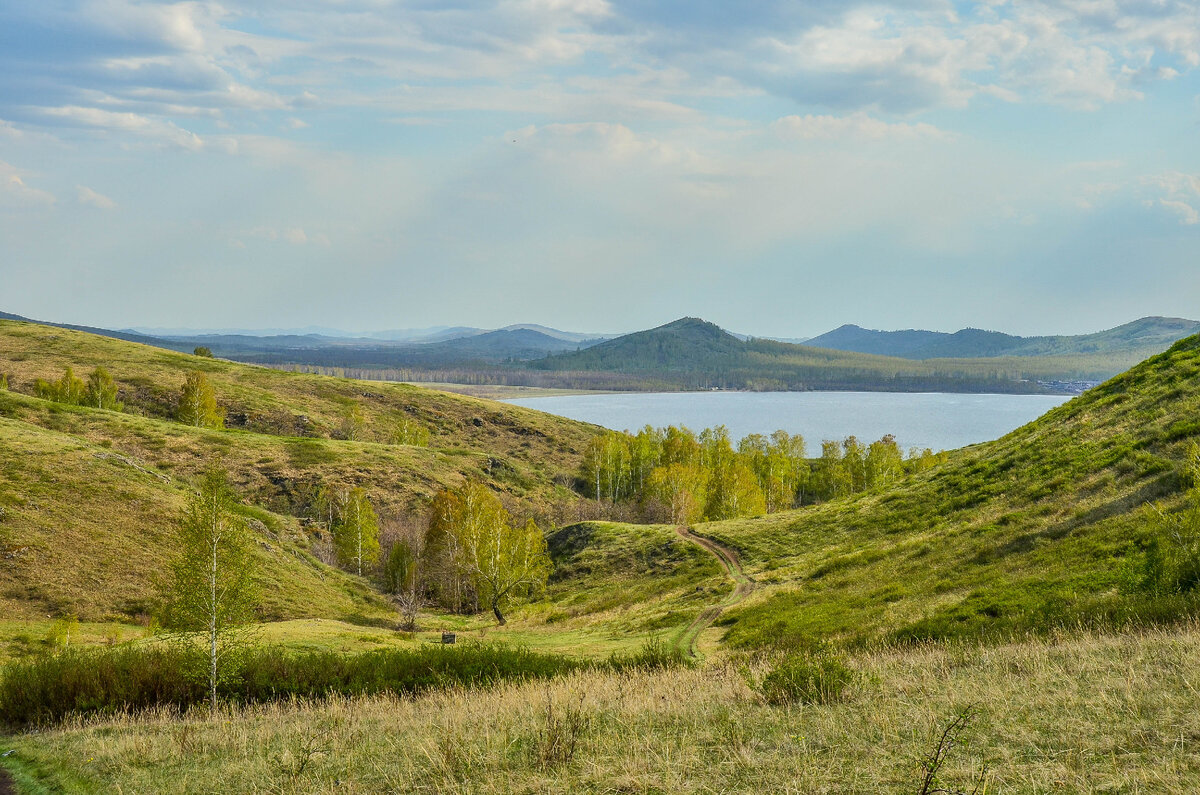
<point>90,496</point>
<point>86,531</point>
<point>1041,526</point>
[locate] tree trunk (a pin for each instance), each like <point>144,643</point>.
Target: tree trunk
<point>499,615</point>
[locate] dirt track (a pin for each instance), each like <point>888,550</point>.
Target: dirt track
<point>742,586</point>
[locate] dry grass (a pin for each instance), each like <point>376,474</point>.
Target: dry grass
<point>1086,713</point>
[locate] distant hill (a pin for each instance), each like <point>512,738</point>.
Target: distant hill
<point>1146,336</point>
<point>694,354</point>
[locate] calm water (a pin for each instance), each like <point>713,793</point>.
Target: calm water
<point>937,420</point>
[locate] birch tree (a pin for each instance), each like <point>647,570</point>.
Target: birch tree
<point>211,592</point>
<point>356,533</point>
<point>198,403</point>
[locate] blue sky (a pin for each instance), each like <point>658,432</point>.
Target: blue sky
<point>776,167</point>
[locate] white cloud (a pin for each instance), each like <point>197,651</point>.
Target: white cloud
<point>856,125</point>
<point>15,193</point>
<point>1188,215</point>
<point>91,198</point>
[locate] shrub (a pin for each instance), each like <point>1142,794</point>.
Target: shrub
<point>655,654</point>
<point>127,678</point>
<point>806,679</point>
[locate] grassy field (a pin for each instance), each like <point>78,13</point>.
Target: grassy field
<point>1079,713</point>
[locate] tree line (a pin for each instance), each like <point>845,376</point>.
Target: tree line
<point>677,475</point>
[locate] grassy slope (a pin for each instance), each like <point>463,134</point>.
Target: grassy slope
<point>1031,528</point>
<point>532,445</point>
<point>85,533</point>
<point>90,497</point>
<point>1082,714</point>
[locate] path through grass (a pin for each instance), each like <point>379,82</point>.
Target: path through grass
<point>742,586</point>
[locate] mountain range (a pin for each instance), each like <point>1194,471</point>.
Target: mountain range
<point>691,353</point>
<point>1148,333</point>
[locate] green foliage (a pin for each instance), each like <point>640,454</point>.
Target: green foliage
<point>356,533</point>
<point>808,678</point>
<point>400,568</point>
<point>198,403</point>
<point>3,382</point>
<point>69,389</point>
<point>1170,563</point>
<point>410,432</point>
<point>62,632</point>
<point>203,351</point>
<point>353,426</point>
<point>101,391</point>
<point>210,591</point>
<point>478,555</point>
<point>692,478</point>
<point>653,655</point>
<point>124,678</point>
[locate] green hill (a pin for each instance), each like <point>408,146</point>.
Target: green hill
<point>1140,338</point>
<point>1041,527</point>
<point>694,354</point>
<point>89,496</point>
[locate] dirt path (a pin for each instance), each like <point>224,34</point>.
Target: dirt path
<point>742,586</point>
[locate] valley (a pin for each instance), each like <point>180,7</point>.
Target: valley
<point>986,584</point>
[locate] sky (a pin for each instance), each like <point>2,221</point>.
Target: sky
<point>778,167</point>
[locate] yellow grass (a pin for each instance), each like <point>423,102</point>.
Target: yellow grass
<point>1086,713</point>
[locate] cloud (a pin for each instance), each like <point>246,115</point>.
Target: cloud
<point>1177,193</point>
<point>91,198</point>
<point>856,125</point>
<point>14,193</point>
<point>1188,215</point>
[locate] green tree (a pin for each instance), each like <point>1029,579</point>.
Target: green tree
<point>497,558</point>
<point>683,488</point>
<point>884,462</point>
<point>101,391</point>
<point>211,588</point>
<point>68,389</point>
<point>356,533</point>
<point>203,351</point>
<point>198,403</point>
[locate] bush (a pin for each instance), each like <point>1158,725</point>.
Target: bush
<point>806,679</point>
<point>123,679</point>
<point>655,654</point>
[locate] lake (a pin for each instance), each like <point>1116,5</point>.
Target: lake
<point>937,420</point>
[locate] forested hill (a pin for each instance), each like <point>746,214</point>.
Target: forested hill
<point>1143,337</point>
<point>690,353</point>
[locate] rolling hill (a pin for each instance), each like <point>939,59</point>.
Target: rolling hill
<point>89,495</point>
<point>1043,526</point>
